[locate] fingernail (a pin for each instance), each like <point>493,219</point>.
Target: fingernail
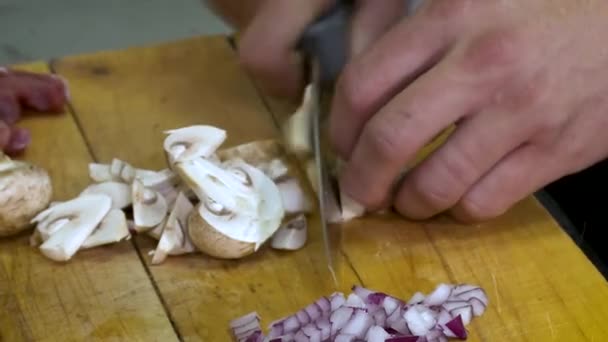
<point>9,112</point>
<point>19,140</point>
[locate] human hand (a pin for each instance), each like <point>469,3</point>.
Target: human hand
<point>525,81</point>
<point>267,47</point>
<point>21,90</point>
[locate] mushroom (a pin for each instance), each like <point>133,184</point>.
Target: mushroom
<point>25,190</point>
<point>192,142</point>
<point>165,182</point>
<point>174,239</point>
<point>113,228</point>
<point>229,232</point>
<point>230,188</point>
<point>100,173</point>
<point>351,209</point>
<point>297,128</point>
<point>149,207</point>
<point>292,235</point>
<point>157,231</point>
<point>70,223</point>
<point>119,192</point>
<point>270,158</point>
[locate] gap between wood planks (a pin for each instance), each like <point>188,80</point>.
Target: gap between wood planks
<point>72,112</point>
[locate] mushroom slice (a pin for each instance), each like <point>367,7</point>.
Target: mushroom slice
<point>296,130</point>
<point>174,239</point>
<point>292,235</point>
<point>230,188</point>
<point>119,192</point>
<point>82,213</point>
<point>25,191</point>
<point>351,209</point>
<point>294,199</point>
<point>165,182</point>
<point>266,155</point>
<point>192,142</point>
<point>113,228</point>
<point>223,233</point>
<point>157,231</point>
<point>149,207</point>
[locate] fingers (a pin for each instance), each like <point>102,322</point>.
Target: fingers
<point>45,93</point>
<point>5,135</point>
<point>18,142</point>
<point>267,47</point>
<point>10,110</point>
<point>371,19</point>
<point>375,76</point>
<point>400,129</point>
<point>476,145</point>
<point>525,170</point>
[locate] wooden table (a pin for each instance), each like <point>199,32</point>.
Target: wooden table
<point>541,286</point>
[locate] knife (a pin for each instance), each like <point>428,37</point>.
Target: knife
<point>324,45</point>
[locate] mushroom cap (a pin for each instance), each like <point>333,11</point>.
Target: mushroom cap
<point>212,242</point>
<point>24,191</point>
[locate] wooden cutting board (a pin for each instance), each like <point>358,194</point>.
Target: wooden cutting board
<point>541,286</point>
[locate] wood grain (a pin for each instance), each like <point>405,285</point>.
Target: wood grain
<point>103,293</point>
<point>124,111</point>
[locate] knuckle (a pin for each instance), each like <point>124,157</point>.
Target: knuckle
<point>480,209</point>
<point>432,193</point>
<point>383,139</point>
<point>500,51</point>
<point>351,87</point>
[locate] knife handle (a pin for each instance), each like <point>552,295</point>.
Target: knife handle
<point>326,40</point>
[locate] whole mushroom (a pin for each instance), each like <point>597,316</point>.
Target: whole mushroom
<point>25,190</point>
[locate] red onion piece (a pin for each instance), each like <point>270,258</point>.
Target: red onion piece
<point>420,319</point>
<point>466,314</point>
<point>377,334</point>
<point>449,305</point>
<point>345,338</point>
<point>358,324</point>
<point>417,298</point>
<point>404,339</point>
<point>456,326</point>
<point>339,318</point>
<point>379,317</point>
<point>336,300</point>
<point>284,338</point>
<point>390,305</point>
<point>478,306</point>
<point>440,295</point>
<point>362,292</point>
<point>474,293</point>
<point>354,301</point>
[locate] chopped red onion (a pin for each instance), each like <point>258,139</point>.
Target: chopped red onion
<point>366,315</point>
<point>456,326</point>
<point>466,314</point>
<point>417,298</point>
<point>420,319</point>
<point>440,295</point>
<point>345,338</point>
<point>358,324</point>
<point>377,334</point>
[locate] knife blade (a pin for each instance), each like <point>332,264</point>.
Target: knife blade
<point>325,46</point>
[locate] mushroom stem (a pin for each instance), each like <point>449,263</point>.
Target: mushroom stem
<point>292,235</point>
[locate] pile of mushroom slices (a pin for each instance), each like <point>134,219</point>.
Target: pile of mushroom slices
<point>226,203</point>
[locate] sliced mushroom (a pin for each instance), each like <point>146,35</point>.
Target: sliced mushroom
<point>157,231</point>
<point>113,228</point>
<point>149,207</point>
<point>296,130</point>
<point>311,173</point>
<point>165,182</point>
<point>119,192</point>
<point>174,239</point>
<point>192,142</point>
<point>351,209</point>
<point>100,173</point>
<point>225,233</point>
<point>25,190</point>
<point>292,235</point>
<point>232,189</point>
<point>83,215</point>
<point>294,199</point>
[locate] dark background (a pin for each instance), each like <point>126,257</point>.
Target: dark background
<point>578,203</point>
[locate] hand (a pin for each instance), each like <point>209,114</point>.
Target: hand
<point>267,45</point>
<point>24,90</point>
<point>526,82</point>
